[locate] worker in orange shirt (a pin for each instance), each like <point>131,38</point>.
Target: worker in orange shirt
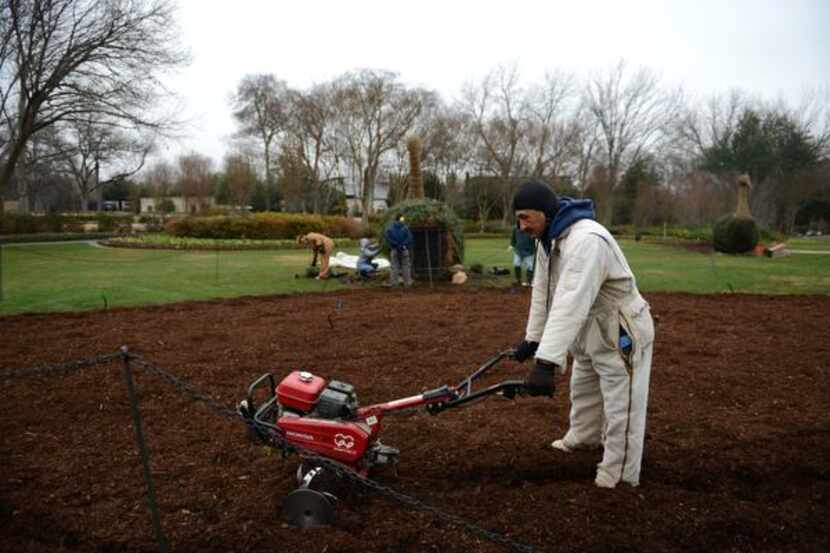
<point>321,245</point>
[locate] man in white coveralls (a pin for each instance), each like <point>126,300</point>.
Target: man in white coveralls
<point>585,302</point>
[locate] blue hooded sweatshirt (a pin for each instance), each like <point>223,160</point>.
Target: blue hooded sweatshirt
<point>398,236</point>
<point>570,211</point>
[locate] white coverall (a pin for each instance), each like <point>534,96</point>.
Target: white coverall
<point>582,293</point>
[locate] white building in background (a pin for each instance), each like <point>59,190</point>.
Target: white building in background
<point>353,204</point>
<point>181,204</point>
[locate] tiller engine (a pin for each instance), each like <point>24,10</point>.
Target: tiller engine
<point>306,414</point>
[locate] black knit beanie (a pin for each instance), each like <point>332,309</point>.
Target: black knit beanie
<point>536,195</point>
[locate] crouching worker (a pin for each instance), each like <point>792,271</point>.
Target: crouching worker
<point>585,302</point>
<point>321,245</point>
<point>368,251</point>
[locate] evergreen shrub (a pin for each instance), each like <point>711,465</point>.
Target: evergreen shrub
<point>732,234</point>
<point>262,226</point>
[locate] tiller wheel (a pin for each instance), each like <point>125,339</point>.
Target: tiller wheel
<point>306,507</point>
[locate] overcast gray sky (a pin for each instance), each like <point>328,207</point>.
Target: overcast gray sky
<point>770,48</point>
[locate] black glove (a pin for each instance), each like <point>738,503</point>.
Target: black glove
<point>540,379</point>
<point>525,350</point>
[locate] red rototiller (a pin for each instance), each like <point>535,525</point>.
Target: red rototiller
<point>315,418</point>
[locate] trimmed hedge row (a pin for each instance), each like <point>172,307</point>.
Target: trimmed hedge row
<point>167,242</point>
<point>14,223</point>
<point>53,237</point>
<point>701,234</point>
<point>263,226</point>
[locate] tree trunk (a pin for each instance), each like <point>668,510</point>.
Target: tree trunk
<point>267,176</point>
<point>8,171</point>
<point>368,189</point>
<point>483,215</point>
<point>608,210</point>
<point>18,140</point>
<point>99,194</point>
<point>507,203</point>
<point>607,217</point>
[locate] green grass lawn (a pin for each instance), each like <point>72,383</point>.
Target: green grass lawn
<point>663,268</point>
<point>61,277</point>
<point>672,269</point>
<point>819,243</point>
<point>68,277</point>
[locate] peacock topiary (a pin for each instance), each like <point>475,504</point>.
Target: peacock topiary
<point>733,234</point>
<point>438,232</point>
<point>737,232</point>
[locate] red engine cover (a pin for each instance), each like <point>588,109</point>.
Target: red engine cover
<point>343,441</point>
<point>299,390</point>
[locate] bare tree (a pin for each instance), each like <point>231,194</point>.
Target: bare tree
<point>63,60</point>
<point>701,125</point>
<point>311,123</point>
<point>598,186</point>
<point>552,130</point>
<point>631,112</point>
<point>375,113</point>
<point>261,107</point>
<point>158,181</point>
<point>160,178</point>
<point>813,117</point>
<point>88,149</point>
<point>448,144</point>
<point>701,197</point>
<point>498,112</point>
<point>241,178</point>
<point>585,152</point>
<point>194,180</point>
<point>485,192</point>
<point>395,173</point>
<point>39,173</point>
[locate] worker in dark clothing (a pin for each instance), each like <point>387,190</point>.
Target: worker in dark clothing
<point>400,241</point>
<point>523,247</point>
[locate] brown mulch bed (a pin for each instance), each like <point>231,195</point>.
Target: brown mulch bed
<point>737,449</point>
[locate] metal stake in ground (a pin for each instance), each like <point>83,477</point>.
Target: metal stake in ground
<point>216,268</point>
<point>143,453</point>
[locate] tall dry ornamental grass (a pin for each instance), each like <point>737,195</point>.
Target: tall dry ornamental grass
<point>416,182</point>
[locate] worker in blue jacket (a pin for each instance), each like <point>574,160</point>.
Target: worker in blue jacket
<point>400,241</point>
